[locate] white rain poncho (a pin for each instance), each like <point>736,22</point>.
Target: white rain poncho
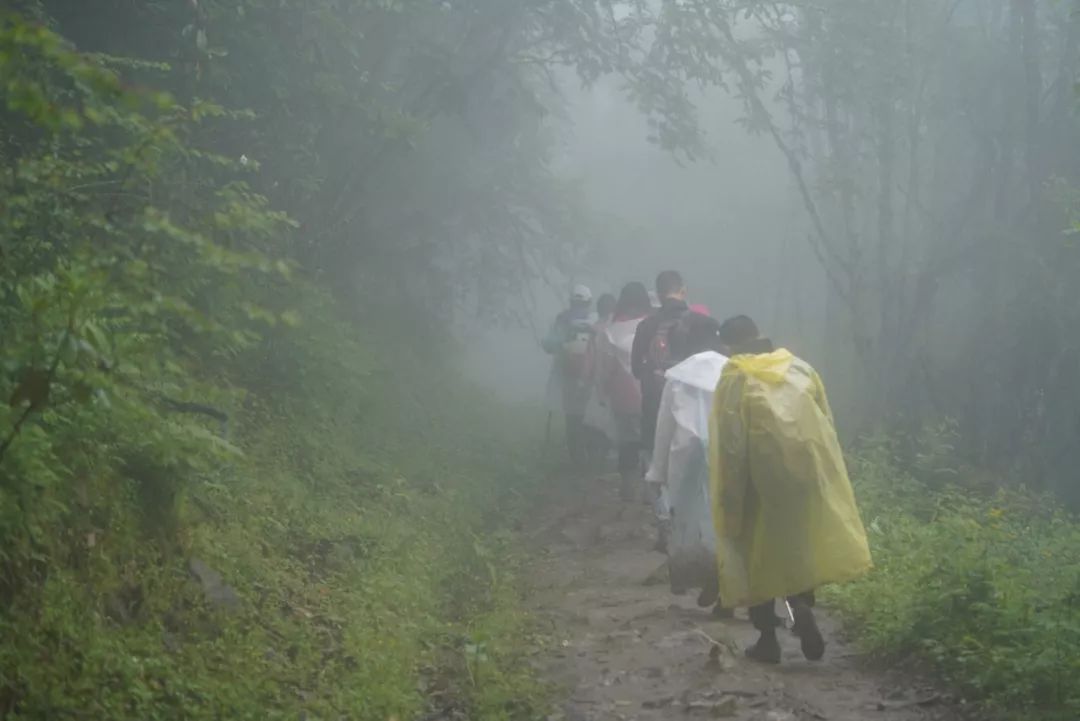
<point>597,411</point>
<point>615,387</point>
<point>680,467</point>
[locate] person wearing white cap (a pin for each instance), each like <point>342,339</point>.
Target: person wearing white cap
<point>568,342</point>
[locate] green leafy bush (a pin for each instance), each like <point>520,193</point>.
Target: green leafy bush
<point>221,497</point>
<point>355,530</point>
<point>985,586</point>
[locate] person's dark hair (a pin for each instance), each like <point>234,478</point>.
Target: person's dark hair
<point>634,301</point>
<point>668,283</point>
<point>605,305</point>
<point>738,331</point>
<point>695,334</point>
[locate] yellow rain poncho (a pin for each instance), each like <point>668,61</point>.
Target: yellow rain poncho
<point>785,515</point>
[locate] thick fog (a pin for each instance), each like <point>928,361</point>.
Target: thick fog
<point>889,189</point>
<point>250,248</point>
<point>729,223</point>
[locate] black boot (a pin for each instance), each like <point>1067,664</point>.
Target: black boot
<point>663,533</point>
<point>719,612</point>
<point>710,593</point>
<point>806,628</point>
<point>629,487</point>
<point>767,648</point>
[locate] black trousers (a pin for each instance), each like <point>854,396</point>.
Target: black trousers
<point>629,459</point>
<point>764,617</point>
<point>597,446</point>
<point>576,438</point>
<point>651,393</point>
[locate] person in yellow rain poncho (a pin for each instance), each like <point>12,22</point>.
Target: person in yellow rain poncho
<point>785,515</point>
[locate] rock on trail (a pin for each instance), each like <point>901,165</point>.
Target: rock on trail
<point>627,649</point>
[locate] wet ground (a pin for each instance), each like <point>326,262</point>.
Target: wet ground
<point>627,649</point>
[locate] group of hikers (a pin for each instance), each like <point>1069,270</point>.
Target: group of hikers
<point>734,440</point>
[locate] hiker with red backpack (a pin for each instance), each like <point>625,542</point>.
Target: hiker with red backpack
<point>650,358</point>
<point>651,355</point>
<point>568,342</point>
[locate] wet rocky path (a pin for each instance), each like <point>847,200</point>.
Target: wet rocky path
<point>628,650</point>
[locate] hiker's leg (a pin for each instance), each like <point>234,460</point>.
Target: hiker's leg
<point>600,447</point>
<point>629,459</point>
<point>603,450</point>
<point>628,470</point>
<point>710,588</point>
<point>722,613</point>
<point>710,592</point>
<point>806,628</point>
<point>593,442</point>
<point>650,409</point>
<point>660,502</point>
<point>657,493</point>
<point>767,648</point>
<point>575,437</point>
<point>763,616</point>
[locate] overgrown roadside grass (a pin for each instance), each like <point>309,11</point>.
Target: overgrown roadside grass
<point>986,587</point>
<point>363,541</point>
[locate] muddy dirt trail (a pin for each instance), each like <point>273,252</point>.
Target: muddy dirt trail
<point>627,649</point>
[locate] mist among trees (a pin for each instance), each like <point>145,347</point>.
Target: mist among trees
<point>272,274</point>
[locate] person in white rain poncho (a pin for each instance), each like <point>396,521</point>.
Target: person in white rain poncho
<point>616,387</point>
<point>680,459</point>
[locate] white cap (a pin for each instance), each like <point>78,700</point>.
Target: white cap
<point>582,293</point>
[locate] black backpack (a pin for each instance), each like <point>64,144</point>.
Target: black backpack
<point>659,355</point>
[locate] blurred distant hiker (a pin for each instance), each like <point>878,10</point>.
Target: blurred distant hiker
<point>568,342</point>
<point>680,459</point>
<point>785,515</point>
<point>605,309</point>
<point>650,355</point>
<point>599,423</point>
<point>616,385</point>
<point>650,358</point>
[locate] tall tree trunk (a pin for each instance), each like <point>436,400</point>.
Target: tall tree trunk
<point>1026,18</point>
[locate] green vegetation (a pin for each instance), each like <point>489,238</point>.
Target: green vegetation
<point>364,579</point>
<point>239,477</point>
<point>986,585</point>
<point>220,495</point>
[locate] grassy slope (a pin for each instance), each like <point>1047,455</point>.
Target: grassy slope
<point>364,531</point>
<point>985,587</point>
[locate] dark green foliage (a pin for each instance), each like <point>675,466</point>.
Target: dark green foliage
<point>409,140</point>
<point>365,571</point>
<point>117,280</point>
<point>211,499</point>
<point>984,586</point>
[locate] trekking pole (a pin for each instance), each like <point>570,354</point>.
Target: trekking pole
<point>790,613</point>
